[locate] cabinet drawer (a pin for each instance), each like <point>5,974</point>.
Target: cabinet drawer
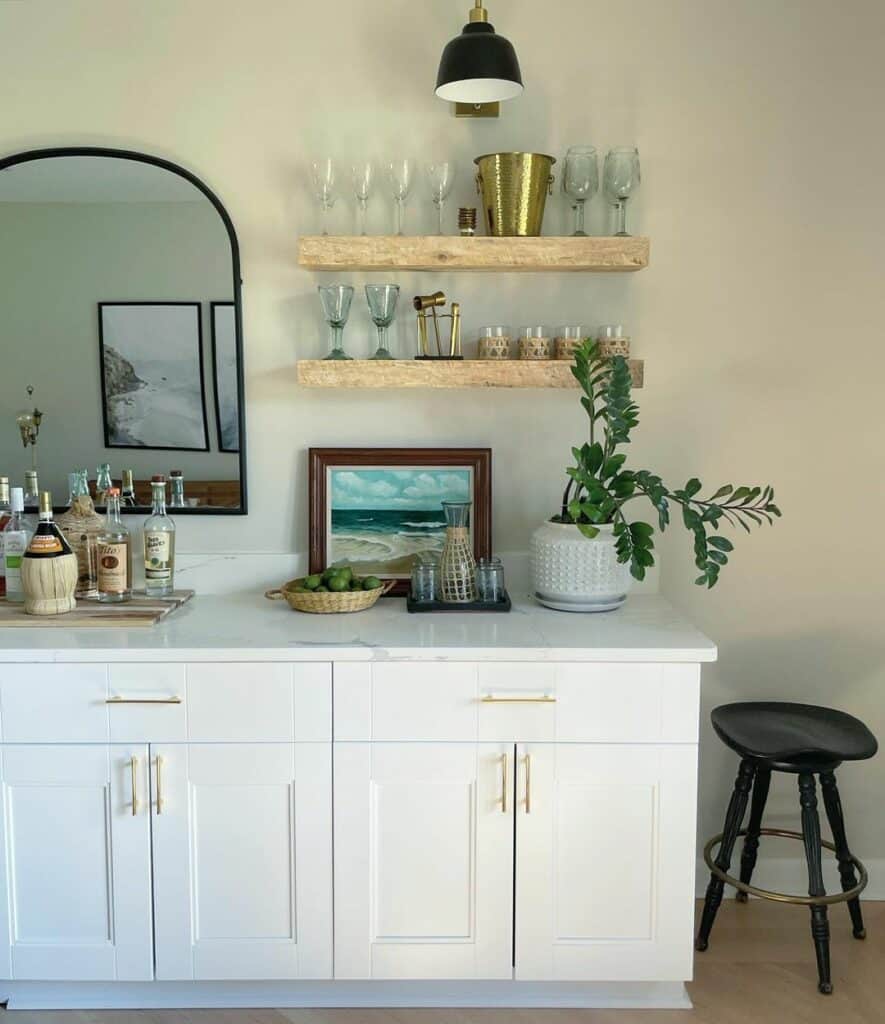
<point>147,703</point>
<point>54,703</point>
<point>517,702</point>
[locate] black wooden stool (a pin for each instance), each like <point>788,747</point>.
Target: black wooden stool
<point>806,741</point>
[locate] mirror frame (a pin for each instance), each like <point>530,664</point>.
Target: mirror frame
<point>31,155</point>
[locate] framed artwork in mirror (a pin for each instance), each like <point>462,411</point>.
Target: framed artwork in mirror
<point>152,387</point>
<point>378,509</point>
<point>225,376</point>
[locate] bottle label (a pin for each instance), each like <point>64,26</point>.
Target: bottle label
<point>113,565</point>
<point>46,544</point>
<point>16,544</point>
<point>158,555</point>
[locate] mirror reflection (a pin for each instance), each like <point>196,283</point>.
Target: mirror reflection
<point>118,332</point>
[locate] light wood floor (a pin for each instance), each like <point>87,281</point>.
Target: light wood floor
<point>759,969</point>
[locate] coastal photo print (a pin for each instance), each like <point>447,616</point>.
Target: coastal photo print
<point>152,375</point>
<point>378,509</point>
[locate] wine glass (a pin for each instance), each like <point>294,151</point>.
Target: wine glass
<point>441,177</point>
<point>580,180</point>
<point>399,174</point>
<point>382,305</point>
<point>336,299</point>
<point>362,175</point>
<point>322,174</point>
<point>620,180</point>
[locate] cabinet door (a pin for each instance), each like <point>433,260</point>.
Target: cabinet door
<point>423,860</point>
<point>76,858</point>
<point>605,854</point>
<point>242,841</point>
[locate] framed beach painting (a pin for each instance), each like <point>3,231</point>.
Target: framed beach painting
<point>226,375</point>
<point>378,509</point>
<point>152,389</point>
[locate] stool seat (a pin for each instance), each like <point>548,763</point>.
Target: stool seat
<point>792,735</point>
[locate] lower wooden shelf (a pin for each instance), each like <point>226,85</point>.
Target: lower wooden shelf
<point>470,373</point>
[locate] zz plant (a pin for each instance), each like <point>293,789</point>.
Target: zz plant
<point>600,484</point>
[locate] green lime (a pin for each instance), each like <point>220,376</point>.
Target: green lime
<point>345,572</point>
<point>371,583</point>
<point>337,584</point>
<point>312,582</point>
<point>321,590</point>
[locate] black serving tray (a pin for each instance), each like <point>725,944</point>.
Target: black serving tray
<point>471,606</point>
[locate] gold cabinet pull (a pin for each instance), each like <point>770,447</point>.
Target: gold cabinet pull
<point>159,785</point>
<point>544,698</point>
<point>143,700</point>
<point>503,783</point>
<point>133,767</point>
<point>528,783</point>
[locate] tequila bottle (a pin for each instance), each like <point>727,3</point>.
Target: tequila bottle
<point>159,544</point>
<point>114,555</point>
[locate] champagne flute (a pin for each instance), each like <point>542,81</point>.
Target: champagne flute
<point>322,173</point>
<point>441,177</point>
<point>621,179</point>
<point>399,174</point>
<point>580,180</point>
<point>336,300</point>
<point>362,176</point>
<point>382,305</point>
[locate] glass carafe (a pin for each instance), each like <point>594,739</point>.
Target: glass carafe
<point>457,564</point>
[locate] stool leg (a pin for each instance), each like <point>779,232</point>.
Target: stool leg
<point>734,817</point>
<point>846,866</point>
<point>751,840</point>
<point>820,928</point>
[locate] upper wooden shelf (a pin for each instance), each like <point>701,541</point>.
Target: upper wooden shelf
<point>592,253</point>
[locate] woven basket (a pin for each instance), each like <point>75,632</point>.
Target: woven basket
<point>327,603</point>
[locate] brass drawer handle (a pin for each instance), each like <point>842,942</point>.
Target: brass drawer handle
<point>544,698</point>
<point>143,700</point>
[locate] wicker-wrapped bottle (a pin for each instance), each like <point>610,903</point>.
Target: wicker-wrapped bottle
<point>49,567</point>
<point>457,566</point>
<point>81,525</point>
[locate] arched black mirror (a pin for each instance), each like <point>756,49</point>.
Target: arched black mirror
<point>120,307</point>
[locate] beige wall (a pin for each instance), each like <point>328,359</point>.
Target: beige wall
<point>761,135</point>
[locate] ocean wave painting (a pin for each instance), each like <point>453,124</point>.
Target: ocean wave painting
<point>381,519</point>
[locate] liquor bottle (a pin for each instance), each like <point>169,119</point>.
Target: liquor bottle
<point>176,489</point>
<point>32,491</point>
<point>127,498</point>
<point>103,483</point>
<point>48,541</point>
<point>49,567</point>
<point>114,555</point>
<point>5,516</point>
<point>159,543</point>
<point>15,543</point>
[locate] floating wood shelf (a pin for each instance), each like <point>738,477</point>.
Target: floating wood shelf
<point>443,252</point>
<point>417,373</point>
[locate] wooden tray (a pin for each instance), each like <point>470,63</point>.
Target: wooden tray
<point>139,612</point>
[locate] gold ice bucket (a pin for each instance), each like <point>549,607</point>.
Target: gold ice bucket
<point>514,189</point>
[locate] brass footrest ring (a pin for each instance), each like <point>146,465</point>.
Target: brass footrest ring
<point>782,897</point>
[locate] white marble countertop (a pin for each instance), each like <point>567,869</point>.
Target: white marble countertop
<point>246,627</point>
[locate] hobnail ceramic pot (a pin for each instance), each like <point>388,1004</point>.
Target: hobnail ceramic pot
<point>574,573</point>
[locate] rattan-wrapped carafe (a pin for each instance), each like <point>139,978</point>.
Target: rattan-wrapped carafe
<point>81,525</point>
<point>457,566</point>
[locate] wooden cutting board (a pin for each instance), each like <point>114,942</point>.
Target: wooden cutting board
<point>140,611</point>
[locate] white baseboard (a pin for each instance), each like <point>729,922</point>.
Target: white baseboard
<point>179,995</point>
<point>789,874</point>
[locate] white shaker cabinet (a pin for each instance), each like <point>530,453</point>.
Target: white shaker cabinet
<point>77,864</point>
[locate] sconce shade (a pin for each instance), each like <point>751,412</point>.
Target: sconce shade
<point>478,66</point>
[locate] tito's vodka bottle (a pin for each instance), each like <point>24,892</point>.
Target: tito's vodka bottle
<point>159,544</point>
<point>114,554</point>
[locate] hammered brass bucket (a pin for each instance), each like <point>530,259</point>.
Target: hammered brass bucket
<point>514,189</point>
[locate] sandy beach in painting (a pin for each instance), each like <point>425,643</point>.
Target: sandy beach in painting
<point>384,542</point>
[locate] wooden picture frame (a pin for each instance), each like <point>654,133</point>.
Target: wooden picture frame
<point>368,472</point>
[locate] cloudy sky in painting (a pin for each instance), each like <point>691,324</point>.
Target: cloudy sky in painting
<point>420,489</point>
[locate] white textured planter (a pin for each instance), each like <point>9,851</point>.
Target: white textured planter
<point>572,573</point>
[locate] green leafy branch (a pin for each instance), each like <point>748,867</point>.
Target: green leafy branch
<point>600,485</point>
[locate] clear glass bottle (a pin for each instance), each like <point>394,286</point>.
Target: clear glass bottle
<point>159,544</point>
<point>103,483</point>
<point>32,491</point>
<point>127,498</point>
<point>15,543</point>
<point>176,489</point>
<point>114,555</point>
<point>5,516</point>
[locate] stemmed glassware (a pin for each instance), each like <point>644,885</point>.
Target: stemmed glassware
<point>382,305</point>
<point>322,175</point>
<point>336,299</point>
<point>399,174</point>
<point>362,176</point>
<point>620,180</point>
<point>580,180</point>
<point>441,177</point>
